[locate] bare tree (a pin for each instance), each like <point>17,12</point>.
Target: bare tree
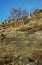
<point>17,13</point>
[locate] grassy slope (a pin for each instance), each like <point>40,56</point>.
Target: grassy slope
<point>22,42</point>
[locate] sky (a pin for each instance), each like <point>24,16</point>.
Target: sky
<point>7,5</point>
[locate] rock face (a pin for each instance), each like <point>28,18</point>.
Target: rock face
<point>21,40</point>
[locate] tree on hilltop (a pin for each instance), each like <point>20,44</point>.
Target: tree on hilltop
<point>17,13</point>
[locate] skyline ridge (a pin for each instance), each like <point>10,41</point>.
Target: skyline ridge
<point>29,5</point>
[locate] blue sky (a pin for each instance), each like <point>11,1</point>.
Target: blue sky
<point>7,5</point>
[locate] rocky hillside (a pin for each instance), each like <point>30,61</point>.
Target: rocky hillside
<point>32,21</point>
<point>21,40</point>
